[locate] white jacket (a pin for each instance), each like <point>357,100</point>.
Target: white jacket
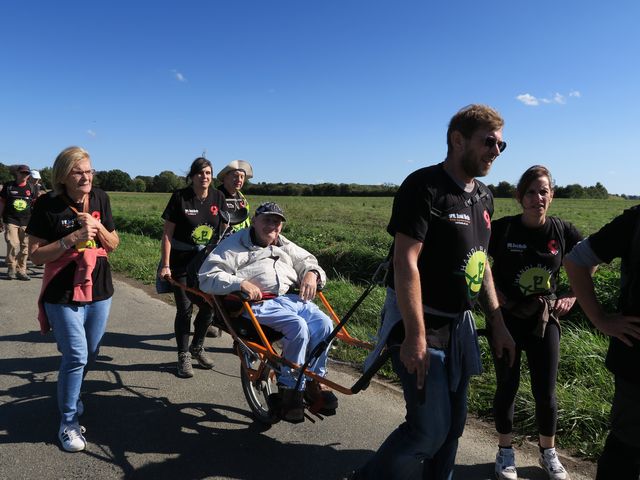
<point>273,269</point>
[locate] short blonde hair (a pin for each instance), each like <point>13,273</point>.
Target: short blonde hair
<point>65,161</point>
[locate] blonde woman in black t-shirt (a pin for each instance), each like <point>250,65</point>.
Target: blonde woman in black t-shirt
<point>527,251</point>
<point>191,220</point>
<point>71,231</point>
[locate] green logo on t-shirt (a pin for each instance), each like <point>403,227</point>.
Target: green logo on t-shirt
<point>474,272</point>
<point>19,205</point>
<point>202,234</point>
<point>534,280</point>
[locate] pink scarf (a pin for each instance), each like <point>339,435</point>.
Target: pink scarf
<point>82,280</point>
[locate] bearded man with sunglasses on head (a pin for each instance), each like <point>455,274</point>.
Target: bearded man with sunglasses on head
<point>441,224</point>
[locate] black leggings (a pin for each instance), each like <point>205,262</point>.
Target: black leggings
<point>542,355</point>
<point>182,323</point>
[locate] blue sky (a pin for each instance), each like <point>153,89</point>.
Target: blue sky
<point>328,90</point>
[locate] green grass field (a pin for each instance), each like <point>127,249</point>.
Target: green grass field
<point>348,236</point>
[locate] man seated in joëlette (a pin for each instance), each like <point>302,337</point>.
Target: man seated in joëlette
<point>260,260</point>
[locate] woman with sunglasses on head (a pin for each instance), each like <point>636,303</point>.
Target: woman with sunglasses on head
<point>71,231</point>
<point>527,251</point>
<point>191,220</point>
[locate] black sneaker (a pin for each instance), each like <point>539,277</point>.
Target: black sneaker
<point>292,405</point>
<point>320,398</point>
<point>199,354</point>
<point>23,276</point>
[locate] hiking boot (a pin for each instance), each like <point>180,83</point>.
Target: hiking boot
<point>506,464</point>
<point>292,405</point>
<point>11,275</point>
<point>71,437</point>
<point>550,462</point>
<point>320,398</point>
<point>199,354</point>
<point>214,332</point>
<point>23,276</point>
<point>185,370</point>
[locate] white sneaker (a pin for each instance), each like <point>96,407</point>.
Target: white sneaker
<point>71,437</point>
<point>551,464</point>
<point>506,464</point>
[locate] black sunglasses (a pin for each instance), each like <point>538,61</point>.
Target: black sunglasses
<point>492,141</point>
<point>25,172</point>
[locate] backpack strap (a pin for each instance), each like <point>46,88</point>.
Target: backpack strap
<point>481,195</point>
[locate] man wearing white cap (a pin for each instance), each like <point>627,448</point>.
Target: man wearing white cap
<point>36,181</point>
<point>233,177</point>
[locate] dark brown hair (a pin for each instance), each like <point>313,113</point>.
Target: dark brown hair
<point>198,165</point>
<point>529,175</point>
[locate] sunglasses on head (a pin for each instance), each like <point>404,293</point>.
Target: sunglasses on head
<point>492,141</point>
<point>25,172</point>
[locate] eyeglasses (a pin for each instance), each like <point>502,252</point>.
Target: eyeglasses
<point>492,141</point>
<point>25,172</point>
<point>81,173</point>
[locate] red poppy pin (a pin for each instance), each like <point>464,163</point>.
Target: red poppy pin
<point>96,215</point>
<point>553,246</point>
<point>487,219</point>
<point>28,192</point>
<point>214,210</point>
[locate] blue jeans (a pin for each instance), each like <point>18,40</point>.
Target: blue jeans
<point>78,330</point>
<point>303,325</point>
<point>425,445</point>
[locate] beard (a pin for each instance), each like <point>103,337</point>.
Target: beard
<point>473,165</point>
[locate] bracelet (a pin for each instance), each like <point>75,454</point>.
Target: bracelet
<point>62,244</point>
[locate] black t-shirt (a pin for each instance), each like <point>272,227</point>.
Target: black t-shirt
<point>526,261</point>
<point>17,203</point>
<point>618,239</point>
<point>197,222</point>
<point>52,219</point>
<point>454,253</point>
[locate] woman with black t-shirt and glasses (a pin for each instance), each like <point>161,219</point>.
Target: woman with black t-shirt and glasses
<point>527,251</point>
<point>71,231</point>
<point>191,220</point>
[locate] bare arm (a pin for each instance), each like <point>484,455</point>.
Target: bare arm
<point>623,327</point>
<point>165,248</point>
<point>413,351</point>
<point>501,341</point>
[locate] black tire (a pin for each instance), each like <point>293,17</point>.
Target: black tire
<point>257,392</point>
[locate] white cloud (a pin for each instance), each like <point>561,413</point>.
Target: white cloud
<point>558,99</point>
<point>91,133</point>
<point>528,99</point>
<point>179,76</point>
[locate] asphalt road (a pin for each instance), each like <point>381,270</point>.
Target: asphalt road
<point>144,422</point>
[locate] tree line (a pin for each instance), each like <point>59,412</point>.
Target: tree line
<point>167,181</point>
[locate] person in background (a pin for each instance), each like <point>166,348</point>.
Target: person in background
<point>71,232</point>
<point>16,200</point>
<point>620,238</point>
<point>232,178</point>
<point>441,224</point>
<point>527,251</point>
<point>191,221</point>
<point>36,181</point>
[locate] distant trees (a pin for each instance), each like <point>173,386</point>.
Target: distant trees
<point>167,181</point>
<point>507,190</point>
